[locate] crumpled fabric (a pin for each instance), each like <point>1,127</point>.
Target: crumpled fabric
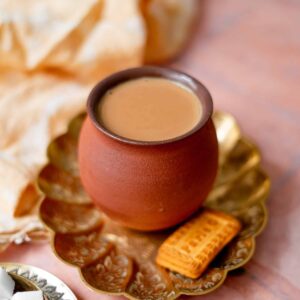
<point>51,54</point>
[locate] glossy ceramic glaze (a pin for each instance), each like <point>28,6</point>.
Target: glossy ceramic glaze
<point>148,185</point>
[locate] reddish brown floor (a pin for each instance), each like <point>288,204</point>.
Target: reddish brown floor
<point>248,54</point>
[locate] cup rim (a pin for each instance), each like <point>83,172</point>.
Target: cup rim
<point>111,81</point>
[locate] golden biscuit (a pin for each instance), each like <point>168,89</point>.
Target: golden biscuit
<point>193,246</point>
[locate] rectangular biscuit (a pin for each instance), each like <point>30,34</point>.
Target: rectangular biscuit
<point>194,245</point>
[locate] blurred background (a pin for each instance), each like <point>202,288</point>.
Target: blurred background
<point>246,52</point>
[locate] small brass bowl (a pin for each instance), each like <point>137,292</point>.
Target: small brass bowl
<point>30,278</point>
<point>23,284</point>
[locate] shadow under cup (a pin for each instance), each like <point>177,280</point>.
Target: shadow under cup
<point>148,185</point>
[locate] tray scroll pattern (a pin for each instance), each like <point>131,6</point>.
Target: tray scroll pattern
<point>114,260</point>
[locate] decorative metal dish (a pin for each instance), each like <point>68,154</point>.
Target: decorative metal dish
<point>29,278</point>
<point>115,260</point>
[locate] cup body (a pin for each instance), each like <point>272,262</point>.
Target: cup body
<point>148,185</point>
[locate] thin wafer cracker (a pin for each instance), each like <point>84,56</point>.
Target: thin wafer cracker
<point>194,245</point>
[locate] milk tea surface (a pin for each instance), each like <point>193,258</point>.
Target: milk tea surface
<point>149,109</point>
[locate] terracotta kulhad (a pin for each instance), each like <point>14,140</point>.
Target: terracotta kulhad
<point>148,185</point>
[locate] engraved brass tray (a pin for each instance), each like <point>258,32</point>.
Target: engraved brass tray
<point>115,260</point>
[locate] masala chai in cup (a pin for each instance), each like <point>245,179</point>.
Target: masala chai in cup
<point>149,109</point>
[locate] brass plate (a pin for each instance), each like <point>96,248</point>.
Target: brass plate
<point>29,278</point>
<point>115,260</point>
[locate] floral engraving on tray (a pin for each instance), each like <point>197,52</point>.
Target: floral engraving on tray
<point>151,283</point>
<point>82,249</point>
<point>111,273</point>
<point>211,279</point>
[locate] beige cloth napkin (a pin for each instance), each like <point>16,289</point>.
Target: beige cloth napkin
<point>51,54</point>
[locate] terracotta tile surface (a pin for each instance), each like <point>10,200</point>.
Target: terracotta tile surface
<point>248,54</point>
